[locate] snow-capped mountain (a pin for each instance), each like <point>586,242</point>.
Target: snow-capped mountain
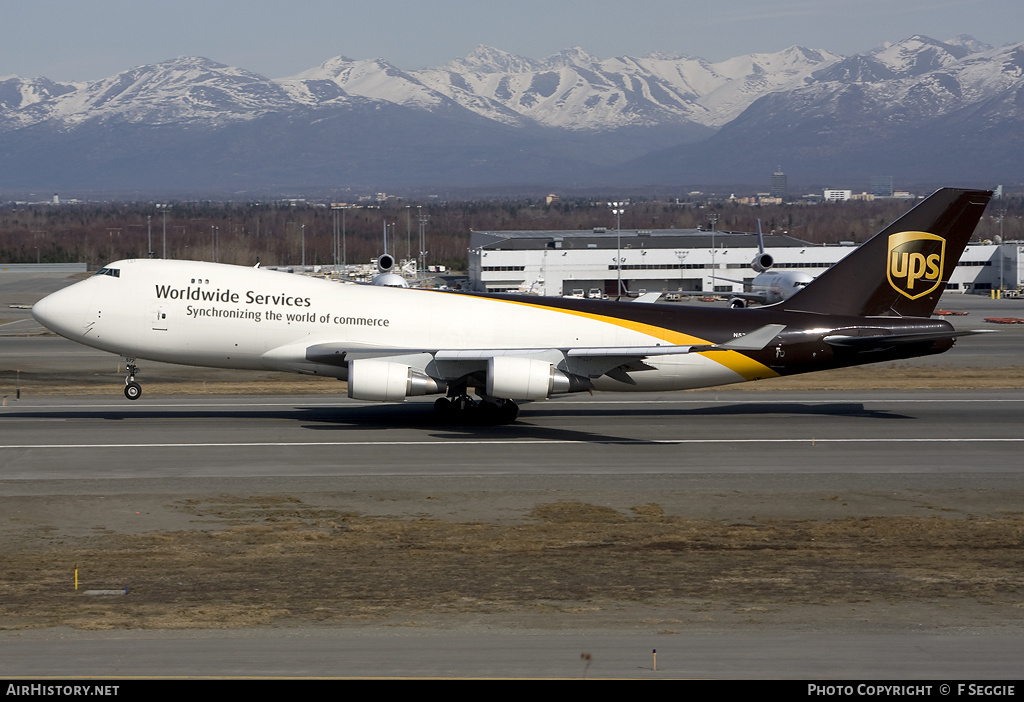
<point>17,93</point>
<point>574,90</point>
<point>375,79</point>
<point>19,98</point>
<point>187,89</point>
<point>491,115</point>
<point>911,57</point>
<point>570,90</point>
<point>906,107</point>
<point>916,81</point>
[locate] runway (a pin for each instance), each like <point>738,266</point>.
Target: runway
<point>750,655</point>
<point>724,455</point>
<point>726,432</point>
<point>74,467</point>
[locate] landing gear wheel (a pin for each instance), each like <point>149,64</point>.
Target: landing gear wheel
<point>503,412</point>
<point>132,390</point>
<point>456,409</point>
<point>509,412</point>
<point>462,409</point>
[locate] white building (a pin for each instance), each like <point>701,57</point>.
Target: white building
<point>667,260</point>
<point>837,195</point>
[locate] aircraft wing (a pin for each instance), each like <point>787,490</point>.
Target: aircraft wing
<point>454,363</point>
<point>754,341</point>
<point>752,297</point>
<point>744,283</point>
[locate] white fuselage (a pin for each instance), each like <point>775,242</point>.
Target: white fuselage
<point>207,314</point>
<point>777,286</point>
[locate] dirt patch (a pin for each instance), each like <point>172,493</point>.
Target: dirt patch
<point>276,560</point>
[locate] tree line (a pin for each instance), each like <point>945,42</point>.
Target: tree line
<point>281,233</point>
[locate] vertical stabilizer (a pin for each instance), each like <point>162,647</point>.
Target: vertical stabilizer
<point>902,270</point>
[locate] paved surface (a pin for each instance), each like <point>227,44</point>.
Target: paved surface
<point>74,465</point>
<point>728,456</point>
<point>732,432</point>
<point>822,657</point>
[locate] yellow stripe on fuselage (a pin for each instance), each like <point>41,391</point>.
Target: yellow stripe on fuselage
<point>738,363</point>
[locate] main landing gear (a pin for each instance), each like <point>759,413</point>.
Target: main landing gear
<point>132,390</point>
<point>462,409</point>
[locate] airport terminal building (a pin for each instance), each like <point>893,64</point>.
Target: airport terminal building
<point>595,263</point>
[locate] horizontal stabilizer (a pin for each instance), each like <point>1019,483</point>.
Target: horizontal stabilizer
<point>755,340</point>
<point>885,340</point>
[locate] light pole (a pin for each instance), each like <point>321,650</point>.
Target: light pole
<point>408,232</point>
<point>423,241</point>
<point>713,218</point>
<point>1002,214</point>
<point>334,239</point>
<point>163,209</point>
<point>339,236</point>
<point>344,249</point>
<point>681,255</point>
<point>617,209</point>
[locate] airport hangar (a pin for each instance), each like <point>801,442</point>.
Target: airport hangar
<point>583,263</point>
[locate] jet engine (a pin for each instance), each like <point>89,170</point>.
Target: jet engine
<point>521,378</point>
<point>737,303</point>
<point>762,262</point>
<point>386,275</point>
<point>384,381</point>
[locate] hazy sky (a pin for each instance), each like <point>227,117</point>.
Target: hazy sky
<point>91,39</point>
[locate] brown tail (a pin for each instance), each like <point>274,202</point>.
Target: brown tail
<point>902,270</point>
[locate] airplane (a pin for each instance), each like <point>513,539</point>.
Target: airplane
<point>392,343</point>
<point>386,275</point>
<point>768,287</point>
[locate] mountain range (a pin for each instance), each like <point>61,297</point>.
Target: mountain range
<point>920,109</point>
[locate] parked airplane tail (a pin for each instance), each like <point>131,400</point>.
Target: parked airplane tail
<point>902,270</point>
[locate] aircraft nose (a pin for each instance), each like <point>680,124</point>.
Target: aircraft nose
<point>64,311</point>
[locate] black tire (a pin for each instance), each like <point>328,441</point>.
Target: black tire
<point>132,390</point>
<point>509,412</point>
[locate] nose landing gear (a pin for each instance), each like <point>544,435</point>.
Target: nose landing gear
<point>132,390</point>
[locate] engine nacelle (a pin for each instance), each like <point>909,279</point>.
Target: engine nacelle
<point>737,303</point>
<point>521,378</point>
<point>762,262</point>
<point>386,275</point>
<point>384,381</point>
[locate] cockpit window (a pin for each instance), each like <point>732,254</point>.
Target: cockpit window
<point>115,272</point>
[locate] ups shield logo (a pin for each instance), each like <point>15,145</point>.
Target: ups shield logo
<point>916,261</point>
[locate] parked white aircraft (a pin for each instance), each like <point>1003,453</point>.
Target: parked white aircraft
<point>392,343</point>
<point>386,275</point>
<point>768,287</point>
